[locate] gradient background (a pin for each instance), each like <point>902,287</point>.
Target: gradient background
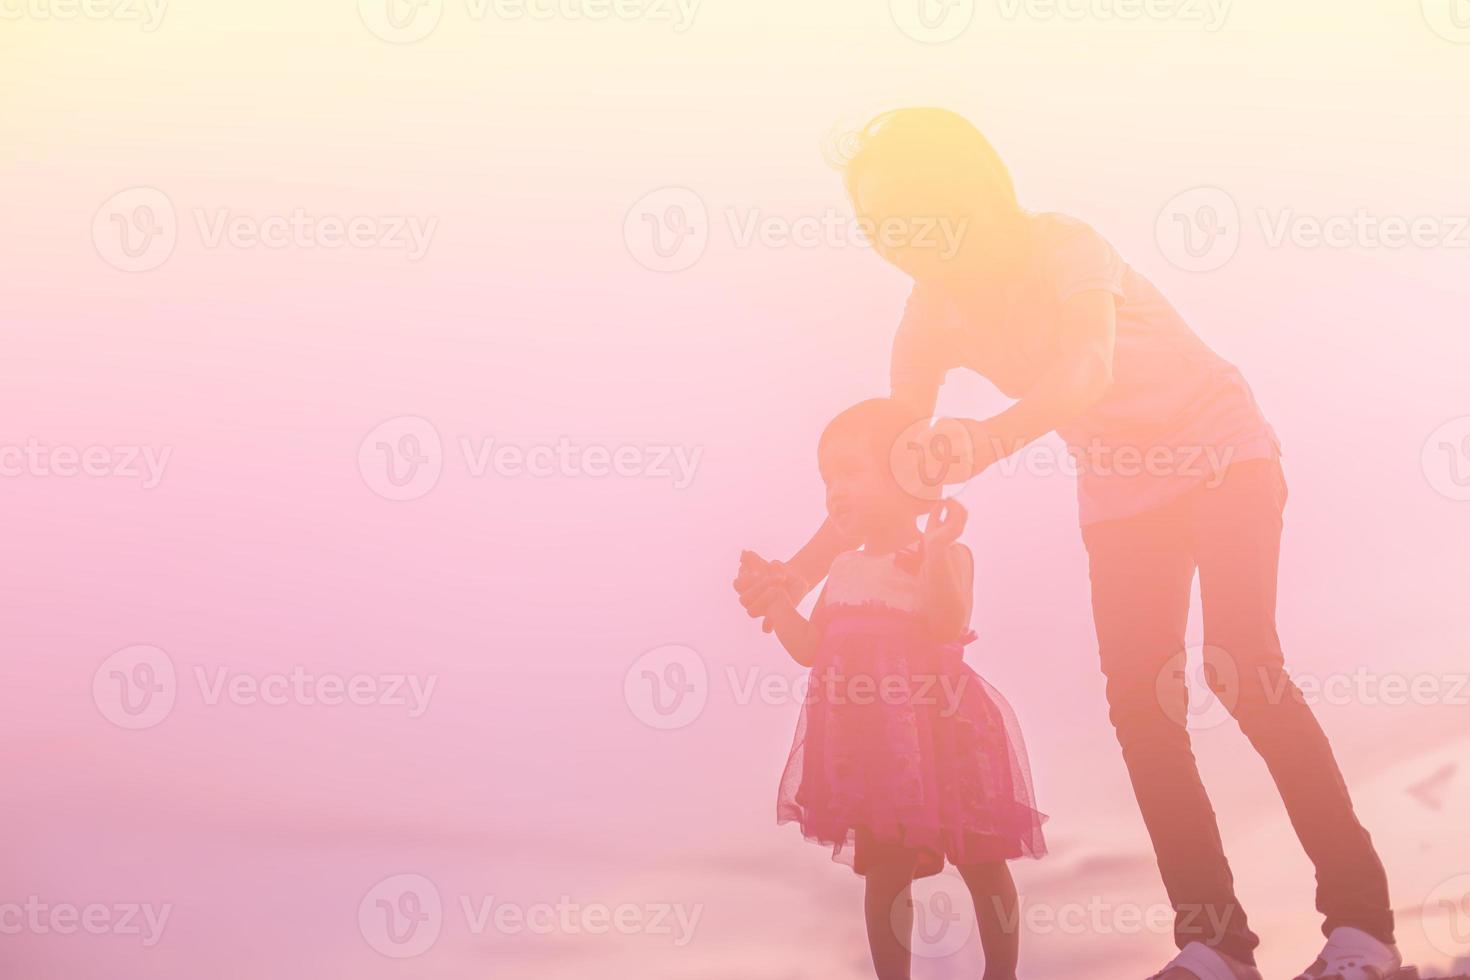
<point>531,319</point>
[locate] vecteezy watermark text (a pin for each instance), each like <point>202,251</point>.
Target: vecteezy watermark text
<point>1363,229</point>
<point>668,688</point>
<point>404,915</point>
<point>1211,15</point>
<point>411,21</point>
<point>138,229</point>
<point>1203,687</point>
<point>486,457</point>
<point>938,921</point>
<point>148,14</point>
<point>41,918</point>
<point>669,230</point>
<point>1202,229</point>
<point>38,460</point>
<point>930,455</point>
<point>403,459</point>
<point>837,688</point>
<point>137,688</point>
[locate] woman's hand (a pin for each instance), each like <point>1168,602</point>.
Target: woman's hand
<point>945,453</point>
<point>946,522</point>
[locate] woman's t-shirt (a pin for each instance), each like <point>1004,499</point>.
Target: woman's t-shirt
<point>1176,414</point>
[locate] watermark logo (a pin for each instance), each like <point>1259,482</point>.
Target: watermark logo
<point>136,230</point>
<point>1199,688</point>
<point>667,230</point>
<point>1447,916</point>
<point>942,914</point>
<point>668,687</point>
<point>402,459</point>
<point>401,916</point>
<point>136,687</point>
<point>932,456</point>
<point>1200,229</point>
<point>401,21</point>
<point>1450,19</point>
<point>1446,459</point>
<point>932,21</point>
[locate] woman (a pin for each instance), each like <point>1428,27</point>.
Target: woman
<point>1177,470</point>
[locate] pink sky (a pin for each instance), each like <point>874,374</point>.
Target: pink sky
<point>266,546</point>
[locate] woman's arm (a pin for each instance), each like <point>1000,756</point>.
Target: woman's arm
<point>917,369</point>
<point>1083,374</point>
<point>812,563</point>
<point>762,584</point>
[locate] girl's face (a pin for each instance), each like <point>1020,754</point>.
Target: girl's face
<point>862,495</point>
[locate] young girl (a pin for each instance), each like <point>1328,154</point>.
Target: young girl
<point>902,752</point>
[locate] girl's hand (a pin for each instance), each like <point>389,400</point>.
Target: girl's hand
<point>763,585</point>
<point>753,579</point>
<point>946,522</point>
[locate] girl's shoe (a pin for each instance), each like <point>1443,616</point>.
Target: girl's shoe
<point>1199,962</point>
<point>1352,954</point>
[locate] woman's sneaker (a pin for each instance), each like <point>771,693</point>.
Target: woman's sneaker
<point>1199,962</point>
<point>1352,954</point>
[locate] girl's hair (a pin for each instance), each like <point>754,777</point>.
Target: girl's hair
<point>878,423</point>
<point>930,147</point>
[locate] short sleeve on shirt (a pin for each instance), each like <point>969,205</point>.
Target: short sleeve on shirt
<point>1080,260</point>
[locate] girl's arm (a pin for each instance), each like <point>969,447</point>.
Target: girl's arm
<point>947,573</point>
<point>794,630</point>
<point>949,581</point>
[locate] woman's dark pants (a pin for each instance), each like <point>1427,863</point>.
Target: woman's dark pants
<point>1142,571</point>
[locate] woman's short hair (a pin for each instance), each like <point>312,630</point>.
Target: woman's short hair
<point>925,147</point>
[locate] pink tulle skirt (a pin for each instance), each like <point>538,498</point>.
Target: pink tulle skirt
<point>900,745</point>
